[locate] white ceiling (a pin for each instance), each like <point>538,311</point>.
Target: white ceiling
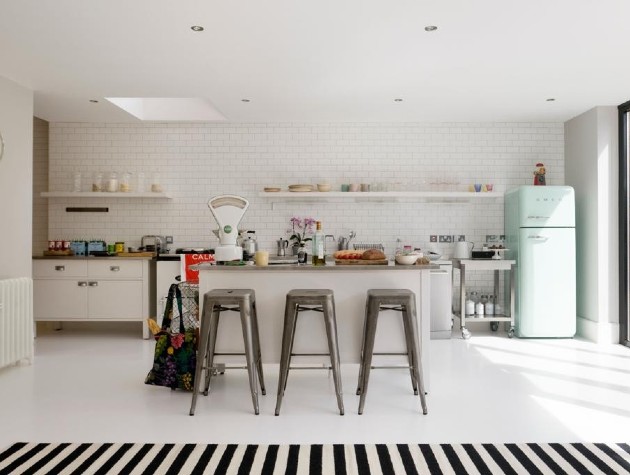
<point>323,60</point>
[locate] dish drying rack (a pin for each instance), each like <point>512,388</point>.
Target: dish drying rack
<point>361,246</point>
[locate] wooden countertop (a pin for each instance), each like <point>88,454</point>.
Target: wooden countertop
<point>91,258</point>
<point>391,267</point>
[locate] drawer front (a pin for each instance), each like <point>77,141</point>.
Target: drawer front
<point>115,269</point>
<point>59,268</point>
<point>115,300</point>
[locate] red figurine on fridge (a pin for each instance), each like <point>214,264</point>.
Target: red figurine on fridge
<point>539,175</point>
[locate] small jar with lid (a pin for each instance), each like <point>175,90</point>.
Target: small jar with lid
<point>125,182</point>
<point>112,182</point>
<point>156,186</point>
<point>97,181</point>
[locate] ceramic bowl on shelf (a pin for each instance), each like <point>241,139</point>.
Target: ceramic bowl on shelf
<point>324,187</point>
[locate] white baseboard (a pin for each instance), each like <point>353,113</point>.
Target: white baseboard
<point>598,332</point>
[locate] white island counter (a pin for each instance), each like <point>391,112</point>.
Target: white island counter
<point>349,283</point>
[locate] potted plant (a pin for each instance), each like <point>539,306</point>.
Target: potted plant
<point>300,227</point>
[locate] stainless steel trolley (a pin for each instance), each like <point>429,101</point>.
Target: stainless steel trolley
<point>496,265</point>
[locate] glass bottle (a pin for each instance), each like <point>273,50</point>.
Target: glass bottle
<point>470,304</point>
<point>490,305</point>
<point>319,246</point>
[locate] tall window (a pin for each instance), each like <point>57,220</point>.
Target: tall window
<point>624,223</point>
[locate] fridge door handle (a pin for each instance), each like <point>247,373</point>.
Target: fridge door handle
<point>538,217</point>
<point>538,238</point>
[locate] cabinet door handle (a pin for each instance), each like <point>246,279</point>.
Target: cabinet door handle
<point>93,284</point>
<point>114,268</point>
<point>60,268</point>
<point>538,238</point>
<point>82,284</point>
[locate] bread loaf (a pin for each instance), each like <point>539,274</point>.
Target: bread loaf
<point>373,255</point>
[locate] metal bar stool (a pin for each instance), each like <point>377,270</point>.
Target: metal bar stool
<point>215,302</point>
<point>318,300</point>
<point>402,300</point>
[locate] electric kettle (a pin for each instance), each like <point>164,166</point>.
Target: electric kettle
<point>463,249</point>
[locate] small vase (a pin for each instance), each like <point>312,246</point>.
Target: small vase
<point>294,249</point>
<point>302,255</point>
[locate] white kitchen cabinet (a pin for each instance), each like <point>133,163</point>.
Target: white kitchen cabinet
<point>91,289</point>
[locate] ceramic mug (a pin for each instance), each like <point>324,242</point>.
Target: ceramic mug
<point>354,187</point>
<point>477,187</point>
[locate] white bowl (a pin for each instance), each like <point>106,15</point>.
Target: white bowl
<point>433,256</point>
<point>406,259</point>
<point>324,187</point>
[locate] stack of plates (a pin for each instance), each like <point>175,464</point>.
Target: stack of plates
<point>300,188</point>
<point>270,189</point>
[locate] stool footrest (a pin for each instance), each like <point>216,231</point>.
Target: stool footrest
<point>310,354</point>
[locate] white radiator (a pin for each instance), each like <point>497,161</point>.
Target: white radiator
<point>16,320</point>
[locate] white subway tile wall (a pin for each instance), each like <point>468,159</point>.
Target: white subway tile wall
<point>199,160</point>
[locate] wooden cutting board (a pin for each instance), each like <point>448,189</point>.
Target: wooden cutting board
<point>360,262</point>
<point>135,254</point>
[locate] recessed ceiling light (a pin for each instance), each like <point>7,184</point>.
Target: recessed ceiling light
<point>196,28</point>
<point>551,99</point>
<point>93,101</point>
<point>398,99</point>
<point>245,100</point>
<point>430,28</point>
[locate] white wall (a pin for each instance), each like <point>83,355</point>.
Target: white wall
<point>591,165</point>
<point>16,175</point>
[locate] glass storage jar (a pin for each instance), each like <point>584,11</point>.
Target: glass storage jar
<point>125,183</point>
<point>112,182</point>
<point>97,182</point>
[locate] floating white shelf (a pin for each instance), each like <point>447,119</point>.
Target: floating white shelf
<point>437,196</point>
<point>104,194</point>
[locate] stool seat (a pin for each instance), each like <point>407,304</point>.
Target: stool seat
<point>403,300</point>
<point>215,302</point>
<point>301,300</point>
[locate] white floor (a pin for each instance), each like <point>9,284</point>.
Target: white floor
<point>87,386</point>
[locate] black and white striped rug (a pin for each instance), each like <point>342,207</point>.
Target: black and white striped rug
<point>457,459</point>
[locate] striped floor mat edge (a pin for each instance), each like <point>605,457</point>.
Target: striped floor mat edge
<point>237,459</point>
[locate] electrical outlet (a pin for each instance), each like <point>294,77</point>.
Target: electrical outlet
<point>492,238</point>
<point>445,238</point>
<point>169,239</point>
<point>461,237</point>
<point>433,238</point>
<point>501,237</point>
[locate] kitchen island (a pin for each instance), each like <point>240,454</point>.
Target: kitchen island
<point>349,283</point>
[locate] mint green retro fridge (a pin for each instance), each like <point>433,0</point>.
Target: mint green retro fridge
<point>540,236</point>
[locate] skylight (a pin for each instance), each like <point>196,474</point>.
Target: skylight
<point>169,108</point>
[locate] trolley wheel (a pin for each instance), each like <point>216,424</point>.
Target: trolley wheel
<point>465,334</point>
<point>494,326</point>
<point>511,333</point>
